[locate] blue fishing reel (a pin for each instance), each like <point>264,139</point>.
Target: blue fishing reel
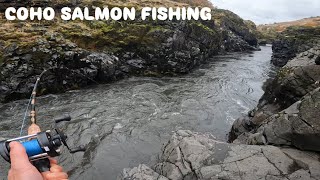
<point>41,146</point>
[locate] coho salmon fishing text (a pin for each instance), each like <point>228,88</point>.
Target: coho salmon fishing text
<point>115,13</point>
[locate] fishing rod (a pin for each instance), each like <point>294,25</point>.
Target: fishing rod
<point>40,145</point>
<point>32,99</point>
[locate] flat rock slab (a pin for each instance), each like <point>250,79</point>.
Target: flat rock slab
<point>191,155</point>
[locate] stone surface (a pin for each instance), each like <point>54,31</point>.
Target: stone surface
<point>191,155</point>
<point>142,172</point>
<point>297,126</point>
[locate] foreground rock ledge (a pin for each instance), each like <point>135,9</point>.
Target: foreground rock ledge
<point>191,155</point>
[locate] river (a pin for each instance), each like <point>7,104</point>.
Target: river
<point>126,123</point>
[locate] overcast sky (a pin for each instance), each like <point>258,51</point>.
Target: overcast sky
<point>270,11</point>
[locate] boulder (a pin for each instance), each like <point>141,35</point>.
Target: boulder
<point>297,126</point>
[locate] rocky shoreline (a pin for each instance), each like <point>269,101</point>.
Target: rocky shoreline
<point>191,155</point>
<point>279,140</point>
<point>287,112</point>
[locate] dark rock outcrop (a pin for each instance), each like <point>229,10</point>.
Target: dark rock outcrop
<point>68,67</point>
<point>284,50</point>
<point>191,155</point>
<point>293,41</point>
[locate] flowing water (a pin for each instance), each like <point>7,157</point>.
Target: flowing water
<point>126,123</point>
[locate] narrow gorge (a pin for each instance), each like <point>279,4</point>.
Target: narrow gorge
<point>167,100</point>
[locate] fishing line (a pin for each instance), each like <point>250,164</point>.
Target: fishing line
<point>25,116</point>
<point>32,147</point>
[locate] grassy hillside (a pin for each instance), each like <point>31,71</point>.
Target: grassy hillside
<point>111,36</point>
<point>269,32</point>
<point>280,27</point>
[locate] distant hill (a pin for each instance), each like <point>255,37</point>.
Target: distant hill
<point>203,3</point>
<point>269,32</point>
<point>280,27</point>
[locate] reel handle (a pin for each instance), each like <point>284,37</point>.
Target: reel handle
<point>62,118</point>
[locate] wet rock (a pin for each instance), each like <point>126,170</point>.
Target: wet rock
<point>191,155</point>
<point>101,66</point>
<point>239,126</point>
<point>136,63</point>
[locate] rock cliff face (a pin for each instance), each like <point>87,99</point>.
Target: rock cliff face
<point>293,41</point>
<point>81,53</point>
<point>288,111</point>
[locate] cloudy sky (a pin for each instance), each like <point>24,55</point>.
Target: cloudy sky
<point>270,11</point>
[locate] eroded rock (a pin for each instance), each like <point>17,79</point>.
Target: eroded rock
<point>280,105</point>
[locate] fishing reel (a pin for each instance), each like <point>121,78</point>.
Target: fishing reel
<point>42,145</point>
